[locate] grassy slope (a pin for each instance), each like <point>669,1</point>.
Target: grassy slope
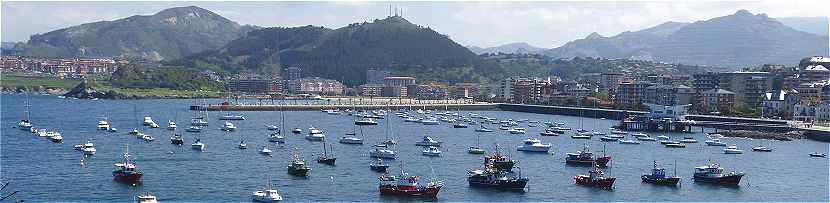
<point>16,79</point>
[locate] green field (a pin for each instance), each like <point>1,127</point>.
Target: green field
<point>14,80</point>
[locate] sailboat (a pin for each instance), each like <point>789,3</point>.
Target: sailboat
<point>350,137</point>
<point>198,120</point>
<point>25,124</point>
<point>389,141</point>
<point>267,195</point>
<point>326,158</point>
<point>477,148</point>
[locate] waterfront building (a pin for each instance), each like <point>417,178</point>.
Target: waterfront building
<point>610,82</point>
<point>253,83</point>
<point>669,95</point>
<point>466,90</point>
<point>398,81</point>
<point>292,73</point>
<point>504,91</point>
<point>779,104</point>
<point>749,87</point>
<point>667,112</point>
<point>316,85</point>
<point>631,94</point>
<point>394,91</point>
<point>371,90</point>
<point>431,91</point>
<point>718,100</point>
<point>528,90</point>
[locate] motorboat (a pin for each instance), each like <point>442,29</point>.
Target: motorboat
<point>586,158</point>
<point>297,130</point>
<point>146,197</point>
<point>232,117</point>
<point>298,166</point>
<point>430,121</point>
<point>228,126</point>
<point>646,138</point>
<point>198,145</point>
<point>662,137</point>
<point>367,121</point>
<point>517,131</point>
<point>126,171</point>
<point>265,150</point>
<point>816,154</point>
<point>56,137</point>
<point>103,124</point>
<point>193,129</point>
<point>761,148</point>
<point>431,151</point>
<point>350,140</point>
<point>675,145</point>
<point>658,176</point>
<point>242,145</point>
<point>268,195</point>
<point>618,132</point>
<point>715,142</point>
<point>378,166</point>
<point>315,137</point>
<point>459,125</point>
<point>313,130</point>
<point>580,136</point>
<point>483,129</point>
<point>617,136</point>
<point>428,141</point>
<point>171,125</point>
<point>732,149</point>
<point>80,147</point>
<point>89,150</point>
<point>198,122</point>
<point>629,142</point>
<point>713,173</point>
<point>383,153</point>
<point>534,145</point>
<point>475,150</point>
<point>112,130</point>
<point>272,127</point>
<point>597,133</point>
<point>148,121</point>
<point>608,139</point>
<point>639,135</point>
<point>147,137</point>
<point>276,137</point>
<point>688,140</point>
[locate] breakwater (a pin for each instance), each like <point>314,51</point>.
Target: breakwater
<point>613,114</point>
<point>313,107</point>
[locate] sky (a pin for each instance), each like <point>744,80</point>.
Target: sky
<point>484,24</point>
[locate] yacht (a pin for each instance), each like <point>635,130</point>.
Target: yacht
<point>103,124</point>
<point>351,140</point>
<point>146,197</point>
<point>268,195</point>
<point>276,137</point>
<point>242,145</point>
<point>171,125</point>
<point>232,117</point>
<point>148,121</point>
<point>646,138</point>
<point>688,140</point>
<point>315,137</point>
<point>732,149</point>
<point>762,148</point>
<point>715,142</point>
<point>265,150</point>
<point>193,129</point>
<point>89,150</point>
<point>198,145</point>
<point>428,141</point>
<point>228,126</point>
<point>198,122</point>
<point>383,153</point>
<point>56,137</point>
<point>431,151</point>
<point>534,145</point>
<point>517,131</point>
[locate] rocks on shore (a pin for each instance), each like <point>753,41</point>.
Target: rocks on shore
<point>788,136</point>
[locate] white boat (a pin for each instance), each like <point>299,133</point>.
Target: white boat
<point>198,145</point>
<point>146,197</point>
<point>313,130</point>
<point>351,140</point>
<point>431,151</point>
<point>56,137</point>
<point>618,136</point>
<point>367,121</point>
<point>639,135</point>
<point>41,132</point>
<point>147,137</point>
<point>272,127</point>
<point>629,142</point>
<point>228,126</point>
<point>171,125</point>
<point>483,129</point>
<point>297,130</point>
<point>112,130</point>
<point>618,132</point>
<point>232,117</point>
<point>428,141</point>
<point>688,140</point>
<point>265,150</point>
<point>517,131</point>
<point>103,124</point>
<point>608,139</point>
<point>242,145</point>
<point>662,137</point>
<point>597,133</point>
<point>89,151</point>
<point>333,112</point>
<point>762,148</point>
<point>193,129</point>
<point>276,137</point>
<point>268,195</point>
<point>148,121</point>
<point>580,136</point>
<point>430,121</point>
<point>411,119</point>
<point>715,142</point>
<point>732,149</point>
<point>198,122</point>
<point>85,145</point>
<point>534,145</point>
<point>25,124</point>
<point>383,153</point>
<point>154,125</point>
<point>315,137</point>
<point>646,138</point>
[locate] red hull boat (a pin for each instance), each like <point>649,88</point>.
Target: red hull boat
<point>595,178</point>
<point>126,170</point>
<point>408,186</point>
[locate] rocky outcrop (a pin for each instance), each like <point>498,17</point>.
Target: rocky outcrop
<point>788,136</point>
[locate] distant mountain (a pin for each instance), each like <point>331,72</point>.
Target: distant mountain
<point>346,53</point>
<point>741,39</point>
<point>815,25</point>
<point>169,34</point>
<point>512,48</point>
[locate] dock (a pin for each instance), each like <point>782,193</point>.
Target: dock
<point>317,107</point>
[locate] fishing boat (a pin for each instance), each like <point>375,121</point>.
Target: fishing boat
<point>267,195</point>
<point>658,176</point>
<point>431,151</point>
<point>382,152</point>
<point>378,165</point>
<point>534,145</point>
<point>298,166</point>
<point>242,145</point>
<point>761,148</point>
<point>171,125</point>
<point>428,141</point>
<point>325,157</point>
<point>408,186</point>
<point>146,197</point>
<point>713,173</point>
<point>126,171</point>
<point>732,149</point>
<point>228,126</point>
<point>193,129</point>
<point>586,158</point>
<point>495,177</point>
<point>715,142</point>
<point>198,145</point>
<point>629,142</point>
<point>595,178</point>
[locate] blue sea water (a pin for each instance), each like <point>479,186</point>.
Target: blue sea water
<point>44,171</point>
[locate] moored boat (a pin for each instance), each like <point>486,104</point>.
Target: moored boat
<point>126,171</point>
<point>586,158</point>
<point>595,178</point>
<point>267,195</point>
<point>732,149</point>
<point>713,173</point>
<point>198,145</point>
<point>534,145</point>
<point>378,166</point>
<point>408,186</point>
<point>428,141</point>
<point>761,148</point>
<point>658,176</point>
<point>297,166</point>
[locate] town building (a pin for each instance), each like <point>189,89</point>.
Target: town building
<point>718,100</point>
<point>256,84</point>
<point>431,91</point>
<point>631,94</point>
<point>669,95</point>
<point>316,85</point>
<point>779,104</point>
<point>609,82</point>
<point>371,90</point>
<point>376,76</point>
<point>292,73</point>
<point>466,90</point>
<point>749,87</point>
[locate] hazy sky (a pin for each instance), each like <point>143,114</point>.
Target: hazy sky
<point>543,24</point>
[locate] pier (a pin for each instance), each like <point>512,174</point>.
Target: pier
<point>316,107</point>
